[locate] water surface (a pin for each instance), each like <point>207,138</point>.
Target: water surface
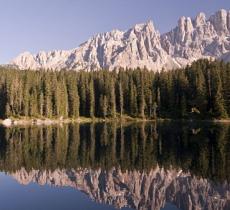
<point>109,165</point>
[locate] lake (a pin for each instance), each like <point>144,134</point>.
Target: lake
<point>144,166</point>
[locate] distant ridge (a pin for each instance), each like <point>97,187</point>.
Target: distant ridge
<point>142,46</point>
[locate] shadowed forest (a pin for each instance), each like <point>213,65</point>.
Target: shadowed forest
<point>199,91</point>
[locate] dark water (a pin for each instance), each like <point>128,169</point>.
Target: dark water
<point>109,166</point>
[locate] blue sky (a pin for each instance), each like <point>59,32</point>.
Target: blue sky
<point>34,25</point>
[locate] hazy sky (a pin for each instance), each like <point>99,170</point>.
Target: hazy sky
<point>34,25</point>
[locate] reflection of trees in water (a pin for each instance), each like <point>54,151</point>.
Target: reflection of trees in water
<point>203,150</point>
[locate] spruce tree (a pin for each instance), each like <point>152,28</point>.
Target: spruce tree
<point>121,100</point>
<point>112,100</point>
<point>91,99</point>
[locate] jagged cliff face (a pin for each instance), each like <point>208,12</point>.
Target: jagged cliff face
<point>135,189</point>
<point>198,38</point>
<point>142,46</point>
<point>137,47</point>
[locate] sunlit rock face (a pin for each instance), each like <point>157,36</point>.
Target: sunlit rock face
<point>142,46</point>
<point>135,189</point>
<point>199,38</point>
<point>139,46</point>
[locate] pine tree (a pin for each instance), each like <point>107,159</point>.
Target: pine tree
<point>103,106</point>
<point>82,95</point>
<point>73,97</point>
<point>226,87</point>
<point>132,98</point>
<point>47,96</point>
<point>112,100</point>
<point>121,100</point>
<point>154,111</point>
<point>63,98</point>
<point>141,98</point>
<point>218,104</point>
<point>91,99</point>
<point>158,99</point>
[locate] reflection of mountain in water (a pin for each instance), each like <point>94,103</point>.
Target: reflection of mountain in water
<point>120,164</point>
<point>138,190</point>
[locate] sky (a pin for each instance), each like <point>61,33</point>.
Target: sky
<point>35,25</point>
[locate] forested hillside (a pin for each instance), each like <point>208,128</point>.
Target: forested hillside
<point>200,91</point>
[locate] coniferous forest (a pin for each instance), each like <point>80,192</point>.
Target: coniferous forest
<point>199,91</point>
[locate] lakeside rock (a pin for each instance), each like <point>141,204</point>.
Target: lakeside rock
<point>7,122</point>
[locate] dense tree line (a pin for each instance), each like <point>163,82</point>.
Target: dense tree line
<point>201,90</point>
<point>201,149</point>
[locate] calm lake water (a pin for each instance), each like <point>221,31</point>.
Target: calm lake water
<point>144,166</point>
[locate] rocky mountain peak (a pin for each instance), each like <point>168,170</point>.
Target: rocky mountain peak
<point>200,19</point>
<point>142,46</point>
<point>25,61</point>
<point>220,21</point>
<point>144,29</point>
<point>185,24</point>
<point>228,20</point>
<point>148,26</point>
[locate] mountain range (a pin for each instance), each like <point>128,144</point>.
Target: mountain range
<point>136,189</point>
<point>142,46</point>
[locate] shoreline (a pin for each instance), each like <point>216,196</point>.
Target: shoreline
<point>9,122</point>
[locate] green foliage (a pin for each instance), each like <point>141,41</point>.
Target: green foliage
<point>200,91</point>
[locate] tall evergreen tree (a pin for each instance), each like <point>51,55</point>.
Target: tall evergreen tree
<point>91,99</point>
